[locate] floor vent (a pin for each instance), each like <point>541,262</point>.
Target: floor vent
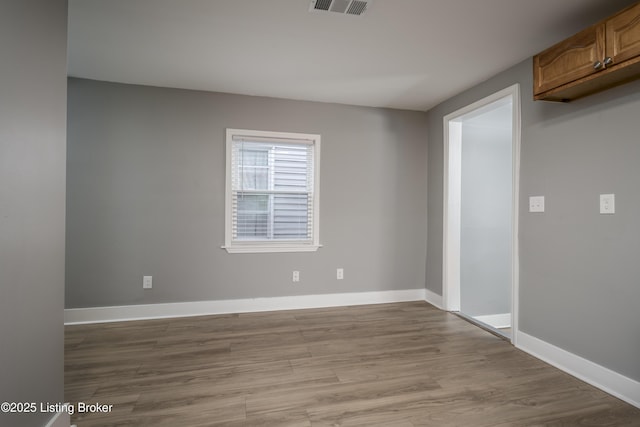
<point>345,7</point>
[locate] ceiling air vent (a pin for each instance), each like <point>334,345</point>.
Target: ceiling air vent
<point>345,7</point>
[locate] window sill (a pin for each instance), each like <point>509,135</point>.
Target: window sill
<point>253,249</point>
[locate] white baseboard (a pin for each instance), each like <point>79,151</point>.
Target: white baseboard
<point>603,378</point>
<point>434,299</point>
<point>61,419</point>
<point>496,320</point>
<point>74,316</point>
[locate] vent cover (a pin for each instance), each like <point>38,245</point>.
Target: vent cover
<point>345,7</point>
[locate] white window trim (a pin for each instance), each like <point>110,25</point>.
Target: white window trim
<point>265,246</point>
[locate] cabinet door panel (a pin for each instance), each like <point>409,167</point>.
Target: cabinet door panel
<point>569,60</point>
<point>623,35</point>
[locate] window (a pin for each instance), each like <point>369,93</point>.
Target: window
<point>272,199</point>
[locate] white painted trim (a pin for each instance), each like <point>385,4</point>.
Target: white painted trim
<point>451,202</point>
<point>515,219</point>
<point>257,248</point>
<point>495,320</point>
<point>75,316</point>
<point>433,299</point>
<point>605,379</point>
<point>60,419</point>
<point>452,215</point>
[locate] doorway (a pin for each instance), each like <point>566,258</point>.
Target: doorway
<point>480,242</point>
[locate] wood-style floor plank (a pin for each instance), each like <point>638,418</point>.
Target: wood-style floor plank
<point>400,365</point>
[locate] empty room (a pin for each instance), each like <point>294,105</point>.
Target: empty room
<point>319,213</point>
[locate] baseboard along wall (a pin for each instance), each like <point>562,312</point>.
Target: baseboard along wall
<point>434,299</point>
<point>73,316</point>
<point>605,379</point>
<point>60,419</point>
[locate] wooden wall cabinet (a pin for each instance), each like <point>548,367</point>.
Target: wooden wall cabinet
<point>602,56</point>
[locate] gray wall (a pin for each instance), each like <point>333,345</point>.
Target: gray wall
<point>146,186</point>
<point>486,209</point>
<point>578,270</point>
<point>33,40</point>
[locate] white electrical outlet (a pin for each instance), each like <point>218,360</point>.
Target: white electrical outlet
<point>536,204</point>
<point>607,203</point>
<point>147,282</point>
<point>296,276</point>
<point>340,273</point>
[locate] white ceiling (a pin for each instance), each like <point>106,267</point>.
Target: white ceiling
<point>407,54</point>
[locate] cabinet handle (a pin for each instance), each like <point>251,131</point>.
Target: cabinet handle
<point>608,60</point>
<point>597,65</point>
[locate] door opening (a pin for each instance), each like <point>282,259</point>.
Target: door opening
<point>480,257</point>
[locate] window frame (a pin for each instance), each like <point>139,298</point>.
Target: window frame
<point>266,246</point>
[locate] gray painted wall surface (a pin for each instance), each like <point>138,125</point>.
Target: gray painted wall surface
<point>486,205</point>
<point>146,171</point>
<point>33,42</point>
<point>578,269</point>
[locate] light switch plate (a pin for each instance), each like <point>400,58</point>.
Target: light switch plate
<point>607,204</point>
<point>147,282</point>
<point>536,204</point>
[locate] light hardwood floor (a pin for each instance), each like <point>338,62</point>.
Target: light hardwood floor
<point>396,365</point>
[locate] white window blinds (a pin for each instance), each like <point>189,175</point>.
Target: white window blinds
<point>272,189</point>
